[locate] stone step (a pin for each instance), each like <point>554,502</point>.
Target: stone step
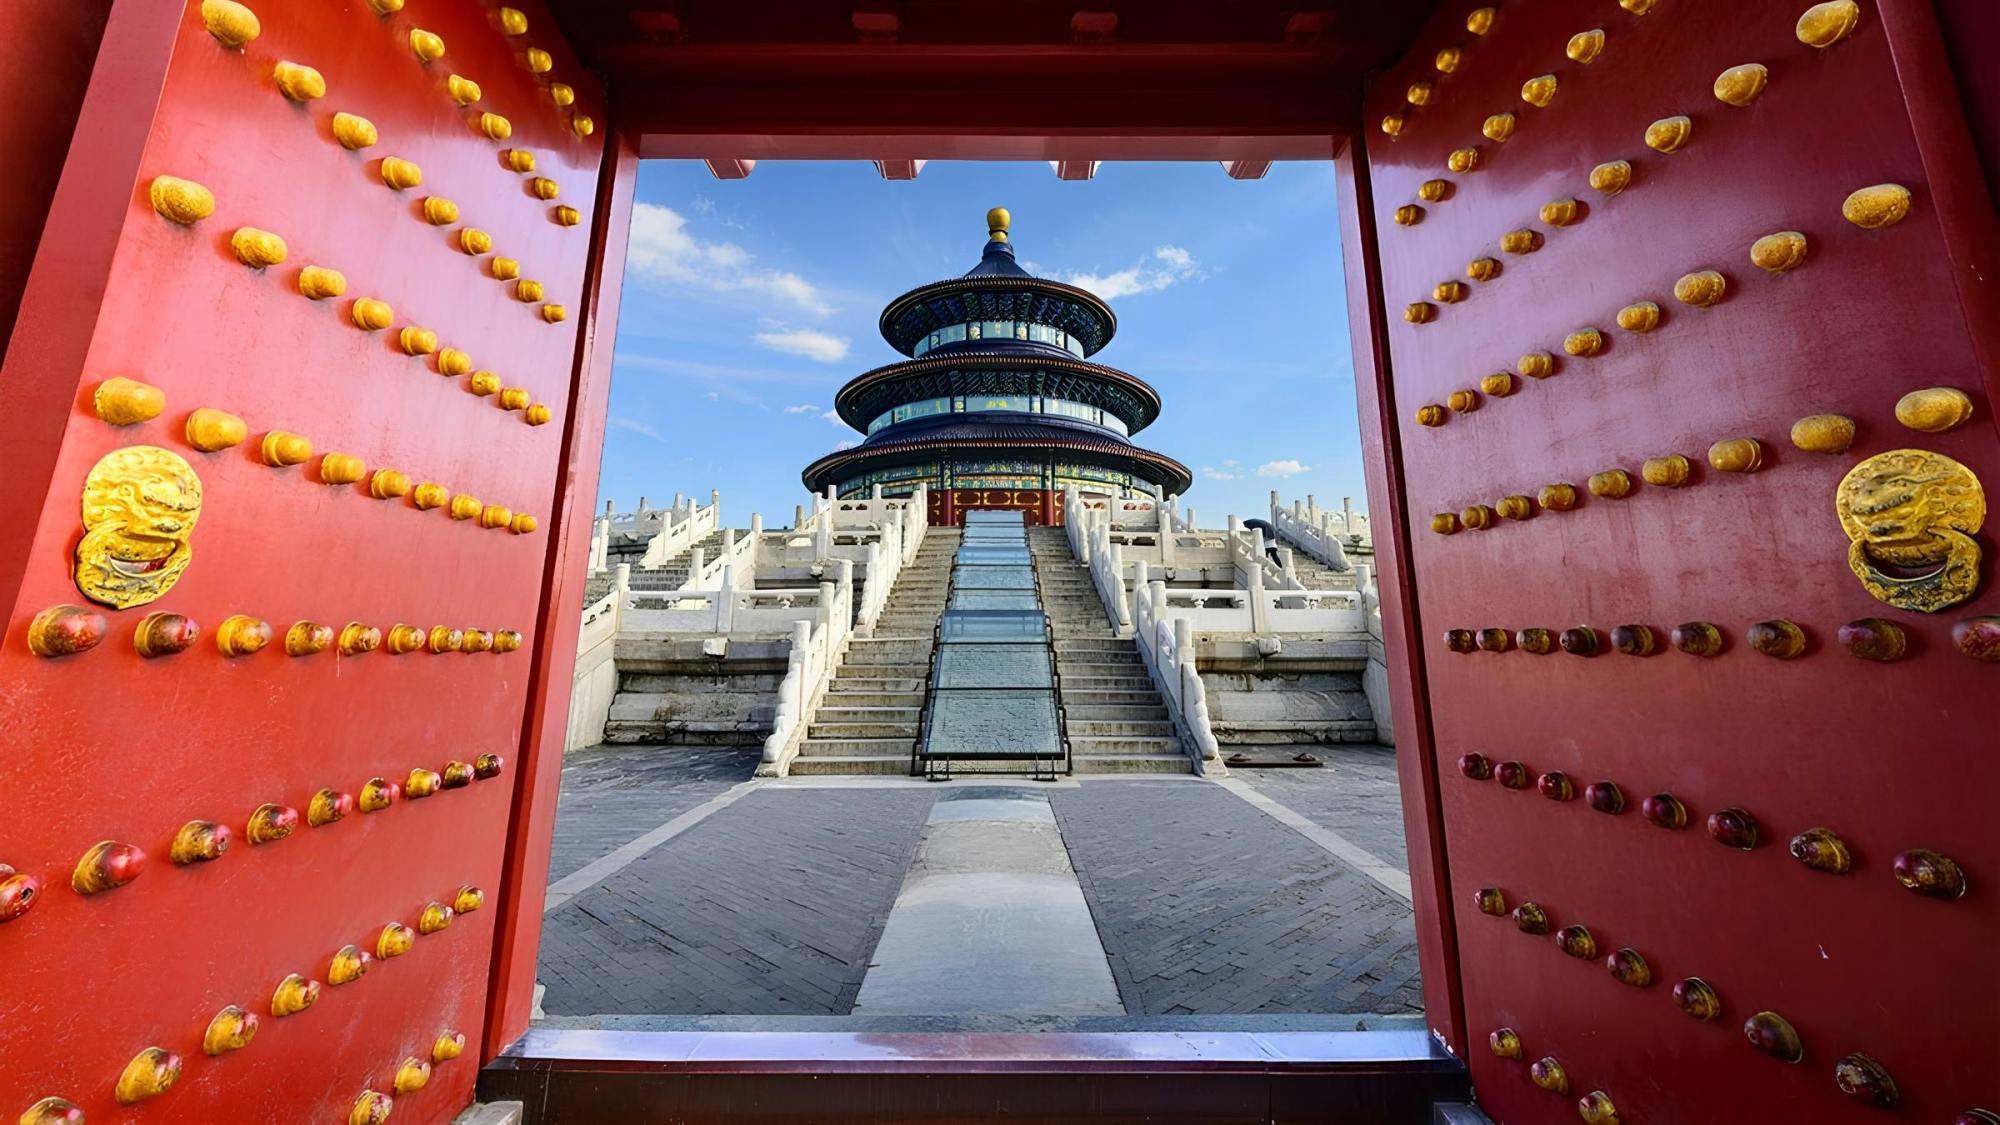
<point>818,731</point>
<point>1083,662</point>
<point>879,644</point>
<point>1071,685</point>
<point>1073,698</point>
<point>1113,645</point>
<point>1113,712</point>
<point>1129,744</point>
<point>912,699</point>
<point>1161,727</point>
<point>1292,732</point>
<point>887,764</point>
<point>856,747</point>
<point>1125,763</point>
<point>844,683</point>
<point>892,658</point>
<point>850,712</point>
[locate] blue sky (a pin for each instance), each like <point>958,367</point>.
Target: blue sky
<point>749,302</point>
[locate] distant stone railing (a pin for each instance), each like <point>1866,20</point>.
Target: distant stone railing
<point>677,534</point>
<point>1321,533</point>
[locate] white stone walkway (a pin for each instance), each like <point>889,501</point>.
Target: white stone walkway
<point>990,919</point>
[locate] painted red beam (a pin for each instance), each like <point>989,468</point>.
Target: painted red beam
<point>1246,169</point>
<point>801,123</point>
<point>865,64</point>
<point>899,169</point>
<point>1075,169</point>
<point>728,168</point>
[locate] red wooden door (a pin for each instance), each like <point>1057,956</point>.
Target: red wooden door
<point>164,515</point>
<point>1506,231</point>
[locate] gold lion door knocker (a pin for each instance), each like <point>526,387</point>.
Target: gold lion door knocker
<point>139,508</point>
<point>1910,515</point>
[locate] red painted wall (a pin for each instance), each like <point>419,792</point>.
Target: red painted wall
<point>43,76</point>
<point>1891,756</point>
<point>108,745</point>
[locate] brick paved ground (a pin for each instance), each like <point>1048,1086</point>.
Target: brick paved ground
<point>1355,794</point>
<point>611,794</point>
<point>1207,905</point>
<point>770,907</point>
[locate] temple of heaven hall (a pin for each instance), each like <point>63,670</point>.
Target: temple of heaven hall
<point>998,406</point>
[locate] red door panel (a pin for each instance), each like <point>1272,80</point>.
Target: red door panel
<point>108,745</point>
<point>1889,756</point>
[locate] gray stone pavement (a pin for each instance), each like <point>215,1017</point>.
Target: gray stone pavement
<point>611,794</point>
<point>773,906</point>
<point>1207,905</point>
<point>770,907</point>
<point>1354,794</point>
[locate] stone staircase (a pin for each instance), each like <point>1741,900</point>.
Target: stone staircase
<point>1116,720</point>
<point>675,571</point>
<point>1318,576</point>
<point>867,722</point>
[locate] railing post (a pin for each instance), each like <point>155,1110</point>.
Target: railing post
<point>621,586</point>
<point>725,603</point>
<point>1189,520</point>
<point>1260,611</point>
<point>697,558</point>
<point>800,662</point>
<point>1285,564</point>
<point>798,516</point>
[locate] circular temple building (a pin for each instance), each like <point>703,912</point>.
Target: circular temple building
<point>998,405</point>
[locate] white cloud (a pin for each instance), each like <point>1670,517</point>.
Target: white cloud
<point>1217,474</point>
<point>1167,266</point>
<point>1231,463</point>
<point>820,347</point>
<point>714,396</point>
<point>833,416</point>
<point>636,426</point>
<point>1285,468</point>
<point>802,408</point>
<point>662,248</point>
<point>838,446</point>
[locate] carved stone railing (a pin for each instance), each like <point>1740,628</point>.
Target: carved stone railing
<point>903,524</point>
<point>725,609</point>
<point>1166,647</point>
<point>1165,643</point>
<point>817,647</point>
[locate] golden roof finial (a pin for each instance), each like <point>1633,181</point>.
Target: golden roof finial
<point>996,224</point>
